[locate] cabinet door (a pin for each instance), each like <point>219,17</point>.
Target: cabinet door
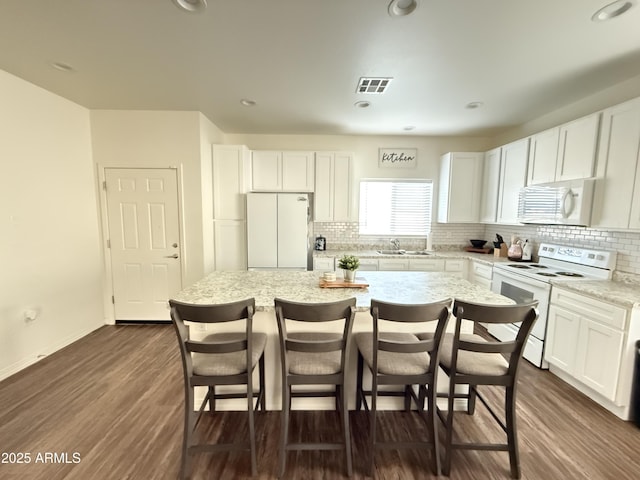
<point>426,265</point>
<point>543,156</point>
<point>455,266</point>
<point>332,194</point>
<point>598,357</point>
<point>229,164</point>
<point>617,168</point>
<point>490,186</point>
<point>513,176</point>
<point>323,197</point>
<point>230,245</point>
<point>459,195</point>
<point>324,264</point>
<point>342,188</point>
<point>297,171</point>
<point>393,264</point>
<point>368,264</point>
<point>562,338</point>
<point>266,172</point>
<point>577,149</point>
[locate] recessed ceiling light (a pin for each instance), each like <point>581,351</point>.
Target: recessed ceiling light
<point>191,6</point>
<point>408,128</point>
<point>362,104</point>
<point>247,103</point>
<point>402,8</point>
<point>63,67</point>
<point>473,105</point>
<point>612,10</point>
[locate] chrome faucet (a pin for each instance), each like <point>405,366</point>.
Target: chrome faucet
<point>395,243</point>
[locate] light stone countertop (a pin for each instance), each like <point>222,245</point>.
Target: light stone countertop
<point>624,294</point>
<point>623,290</point>
<point>399,287</point>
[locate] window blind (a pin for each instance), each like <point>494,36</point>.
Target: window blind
<point>395,207</point>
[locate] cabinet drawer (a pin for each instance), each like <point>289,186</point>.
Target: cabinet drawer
<point>595,310</point>
<point>391,264</point>
<point>325,264</point>
<point>482,271</point>
<point>454,265</point>
<point>426,265</point>
<point>368,264</point>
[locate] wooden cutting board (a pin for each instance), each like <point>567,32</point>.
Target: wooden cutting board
<point>340,283</point>
<point>478,250</point>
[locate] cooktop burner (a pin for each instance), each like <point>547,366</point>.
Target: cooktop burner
<point>569,274</point>
<point>548,274</point>
<point>516,265</point>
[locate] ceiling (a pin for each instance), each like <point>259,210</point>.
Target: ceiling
<point>300,60</point>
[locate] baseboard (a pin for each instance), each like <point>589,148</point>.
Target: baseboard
<point>34,358</point>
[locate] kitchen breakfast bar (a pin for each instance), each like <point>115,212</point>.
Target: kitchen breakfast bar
<point>301,286</point>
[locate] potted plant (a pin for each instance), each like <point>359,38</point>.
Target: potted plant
<point>349,264</point>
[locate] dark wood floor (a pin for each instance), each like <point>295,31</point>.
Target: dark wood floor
<point>114,399</point>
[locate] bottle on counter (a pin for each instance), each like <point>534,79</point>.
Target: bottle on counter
<point>527,250</point>
<point>320,243</point>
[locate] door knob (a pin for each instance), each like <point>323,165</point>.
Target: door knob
<point>175,255</point>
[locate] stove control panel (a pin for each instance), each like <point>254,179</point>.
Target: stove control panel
<point>581,256</point>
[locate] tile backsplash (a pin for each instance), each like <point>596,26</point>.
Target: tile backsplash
<point>344,235</point>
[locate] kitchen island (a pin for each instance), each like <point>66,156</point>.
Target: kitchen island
<point>299,286</point>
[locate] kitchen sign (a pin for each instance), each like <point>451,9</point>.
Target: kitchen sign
<point>398,157</point>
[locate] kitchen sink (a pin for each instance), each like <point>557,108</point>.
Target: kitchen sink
<point>416,252</point>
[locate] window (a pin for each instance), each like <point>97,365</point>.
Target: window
<point>395,207</point>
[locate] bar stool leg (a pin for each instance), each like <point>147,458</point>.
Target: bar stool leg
<point>284,433</point>
<point>512,434</point>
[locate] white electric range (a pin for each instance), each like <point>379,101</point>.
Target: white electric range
<point>524,282</point>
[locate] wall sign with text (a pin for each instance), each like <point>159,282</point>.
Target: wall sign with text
<point>398,157</point>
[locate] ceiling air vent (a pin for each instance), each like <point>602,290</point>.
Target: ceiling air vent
<point>373,85</point>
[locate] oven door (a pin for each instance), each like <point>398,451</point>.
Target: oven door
<point>522,289</point>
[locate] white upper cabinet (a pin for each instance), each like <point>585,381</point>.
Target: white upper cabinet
<point>230,163</point>
<point>490,186</point>
<point>567,152</point>
<point>543,156</point>
<point>460,187</point>
<point>616,202</point>
<point>281,171</point>
<point>577,148</point>
<point>333,184</point>
<point>513,176</point>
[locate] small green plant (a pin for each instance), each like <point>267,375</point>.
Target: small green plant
<point>349,262</point>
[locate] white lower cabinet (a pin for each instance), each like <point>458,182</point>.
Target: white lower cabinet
<point>480,274</point>
<point>585,338</point>
<point>368,264</point>
<point>426,265</point>
<point>456,267</point>
<point>324,264</point>
<point>393,264</point>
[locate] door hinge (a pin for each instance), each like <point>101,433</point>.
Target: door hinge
<point>104,184</point>
<point>113,299</point>
<point>108,243</point>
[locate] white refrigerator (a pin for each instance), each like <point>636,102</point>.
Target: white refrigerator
<point>277,231</point>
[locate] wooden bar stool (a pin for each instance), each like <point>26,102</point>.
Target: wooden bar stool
<point>224,358</point>
<point>315,358</point>
<point>471,360</point>
<point>402,359</point>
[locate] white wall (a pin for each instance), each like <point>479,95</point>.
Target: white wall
<point>605,98</point>
<point>162,139</point>
<point>49,241</point>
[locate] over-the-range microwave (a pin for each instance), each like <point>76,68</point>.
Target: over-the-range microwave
<point>557,203</point>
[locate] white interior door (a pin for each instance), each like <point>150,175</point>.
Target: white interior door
<point>142,206</point>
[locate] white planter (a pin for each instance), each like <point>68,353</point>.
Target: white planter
<point>349,275</point>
